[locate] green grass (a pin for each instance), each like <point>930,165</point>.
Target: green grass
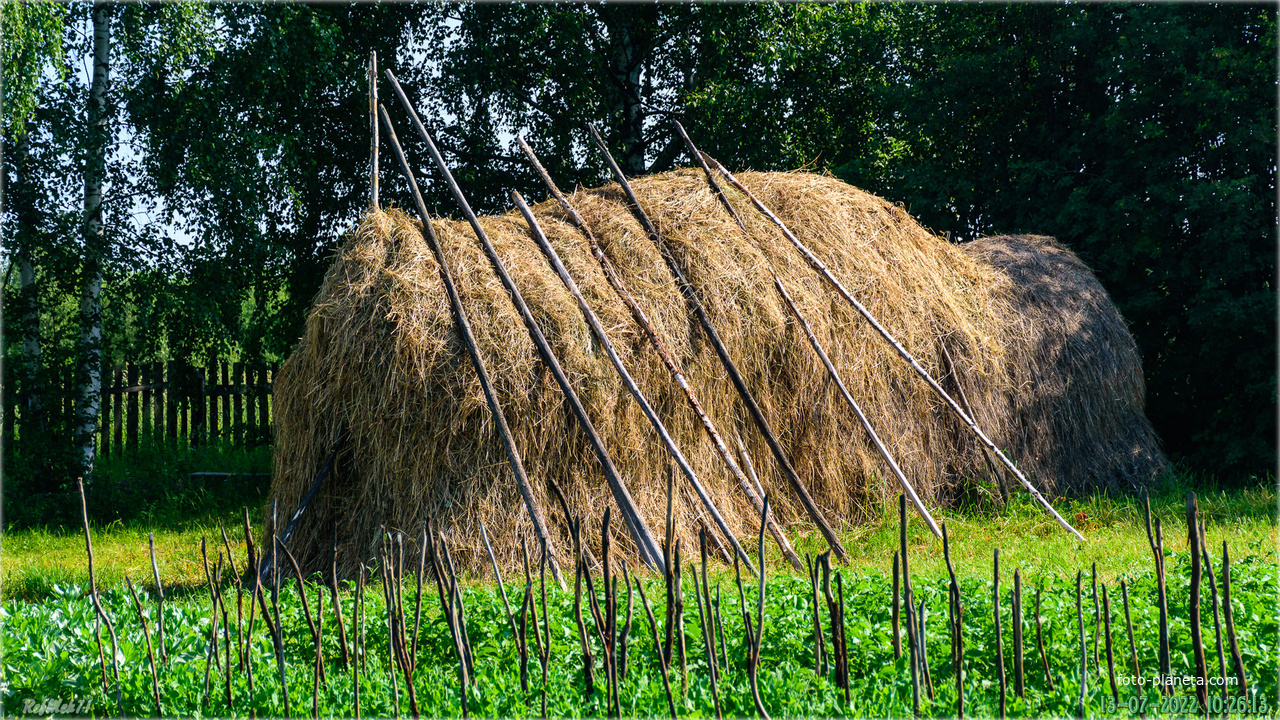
<point>50,651</point>
<point>35,559</point>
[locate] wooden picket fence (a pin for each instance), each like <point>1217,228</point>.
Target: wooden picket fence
<point>169,401</point>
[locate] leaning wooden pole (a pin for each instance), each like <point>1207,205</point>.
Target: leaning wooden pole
<point>97,603</point>
<point>659,427</point>
<point>463,326</point>
<point>691,296</point>
<point>822,270</point>
<point>373,131</point>
<point>639,530</point>
<point>638,314</point>
<point>813,340</point>
<point>1193,606</point>
<point>853,405</point>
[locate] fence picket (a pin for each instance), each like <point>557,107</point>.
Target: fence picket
<point>237,423</point>
<point>104,425</point>
<point>171,403</point>
<point>227,431</point>
<point>157,401</point>
<point>132,428</point>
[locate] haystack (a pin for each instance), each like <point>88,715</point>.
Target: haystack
<point>380,358</point>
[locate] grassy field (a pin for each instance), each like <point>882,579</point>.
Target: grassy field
<point>51,653</point>
<point>34,560</point>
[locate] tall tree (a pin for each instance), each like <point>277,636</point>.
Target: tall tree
<point>95,246</point>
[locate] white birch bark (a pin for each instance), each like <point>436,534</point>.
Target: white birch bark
<point>90,391</point>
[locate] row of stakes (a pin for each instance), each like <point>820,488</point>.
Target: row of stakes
<point>435,563</point>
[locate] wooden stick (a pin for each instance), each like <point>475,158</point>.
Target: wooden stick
<point>853,405</point>
<point>146,635</point>
<point>1157,552</point>
<point>1128,624</point>
<point>647,546</point>
<point>652,415</point>
<point>463,326</point>
<point>959,654</point>
<point>995,604</point>
<point>580,568</point>
<point>1106,628</point>
<point>964,400</point>
<point>306,607</point>
<point>606,629</point>
<point>1097,618</point>
<point>844,640</point>
<point>626,627</point>
<point>97,605</point>
<point>155,575</point>
<point>758,634</point>
<point>422,569</point>
<point>357,631</point>
<point>226,637</point>
<point>815,620</point>
<point>657,648</point>
<point>388,603</point>
<point>211,654</point>
<point>724,647</point>
<point>922,637</point>
<point>546,625</point>
<point>706,595</point>
<point>908,597</point>
<point>497,575</point>
<point>235,579</point>
<point>1237,663</point>
<point>620,288</point>
<point>277,629</point>
<point>255,597</point>
<point>1084,651</point>
<point>1217,622</point>
<point>310,495</point>
<point>361,646</point>
<point>708,633</point>
<point>373,130</point>
<point>333,591</point>
<point>826,274</point>
<point>691,297</point>
<point>897,602</point>
<point>315,666</point>
<point>1016,621</point>
<point>1044,659</point>
<point>678,594</point>
<point>953,617</point>
<point>1193,607</point>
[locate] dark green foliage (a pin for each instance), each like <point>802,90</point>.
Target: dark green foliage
<point>51,654</point>
<point>1142,136</point>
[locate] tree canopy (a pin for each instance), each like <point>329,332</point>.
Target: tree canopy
<point>1143,136</point>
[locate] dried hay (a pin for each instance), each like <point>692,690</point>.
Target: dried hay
<point>380,356</point>
<point>1077,401</point>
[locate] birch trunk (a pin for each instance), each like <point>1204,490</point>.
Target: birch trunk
<point>90,391</point>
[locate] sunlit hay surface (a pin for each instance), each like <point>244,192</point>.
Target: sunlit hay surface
<point>1077,405</point>
<point>381,357</point>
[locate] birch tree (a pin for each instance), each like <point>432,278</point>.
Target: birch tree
<point>90,370</point>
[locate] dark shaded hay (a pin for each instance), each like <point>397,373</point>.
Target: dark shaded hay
<point>380,357</point>
<point>1076,413</point>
